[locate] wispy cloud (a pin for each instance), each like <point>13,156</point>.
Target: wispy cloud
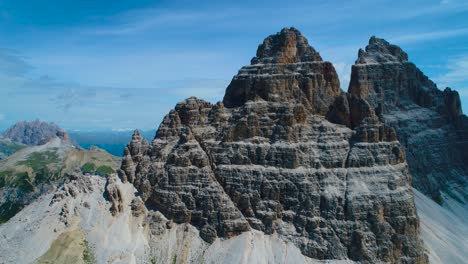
<point>144,19</point>
<point>126,129</point>
<point>435,35</point>
<point>72,98</point>
<point>456,77</point>
<point>12,63</point>
<point>457,73</point>
<point>424,8</point>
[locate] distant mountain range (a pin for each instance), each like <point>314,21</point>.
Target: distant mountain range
<point>36,132</point>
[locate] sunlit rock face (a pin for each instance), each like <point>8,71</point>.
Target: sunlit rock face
<point>266,158</point>
<point>429,122</point>
<point>286,69</point>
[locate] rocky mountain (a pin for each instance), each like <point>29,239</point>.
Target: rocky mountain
<point>286,169</point>
<point>267,159</point>
<point>429,122</point>
<point>34,132</point>
<point>37,170</point>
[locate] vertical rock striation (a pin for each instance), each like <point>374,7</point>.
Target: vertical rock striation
<point>267,159</point>
<point>429,122</point>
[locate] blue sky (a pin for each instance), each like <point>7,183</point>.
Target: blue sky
<point>121,64</point>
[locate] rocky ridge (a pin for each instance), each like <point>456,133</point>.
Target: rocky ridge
<point>267,159</point>
<point>37,170</point>
<point>34,132</point>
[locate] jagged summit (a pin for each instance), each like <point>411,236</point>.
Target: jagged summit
<point>429,122</point>
<point>381,51</point>
<point>286,69</point>
<point>267,160</point>
<point>34,132</point>
<point>384,77</point>
<point>286,46</point>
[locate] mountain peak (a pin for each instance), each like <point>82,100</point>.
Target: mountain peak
<point>286,70</point>
<point>381,51</point>
<point>286,46</point>
<point>34,132</point>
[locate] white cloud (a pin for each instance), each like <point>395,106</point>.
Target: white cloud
<point>144,19</point>
<point>122,129</point>
<point>72,98</point>
<point>456,77</point>
<point>434,35</point>
<point>12,63</point>
<point>457,74</point>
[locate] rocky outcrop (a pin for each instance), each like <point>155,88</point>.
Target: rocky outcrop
<point>34,132</point>
<point>429,122</point>
<point>114,194</point>
<point>267,159</point>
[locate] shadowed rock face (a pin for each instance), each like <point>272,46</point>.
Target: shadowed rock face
<point>267,159</point>
<point>429,122</point>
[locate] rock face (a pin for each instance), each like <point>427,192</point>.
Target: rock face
<point>34,132</point>
<point>114,194</point>
<point>267,159</point>
<point>429,122</point>
<point>285,69</point>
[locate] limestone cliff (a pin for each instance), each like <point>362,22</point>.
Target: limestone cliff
<point>429,122</point>
<point>267,159</point>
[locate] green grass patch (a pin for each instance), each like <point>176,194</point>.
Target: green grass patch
<point>104,170</point>
<point>88,256</point>
<point>4,177</point>
<point>40,160</point>
<point>9,148</point>
<point>88,167</point>
<point>91,168</point>
<point>22,181</point>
